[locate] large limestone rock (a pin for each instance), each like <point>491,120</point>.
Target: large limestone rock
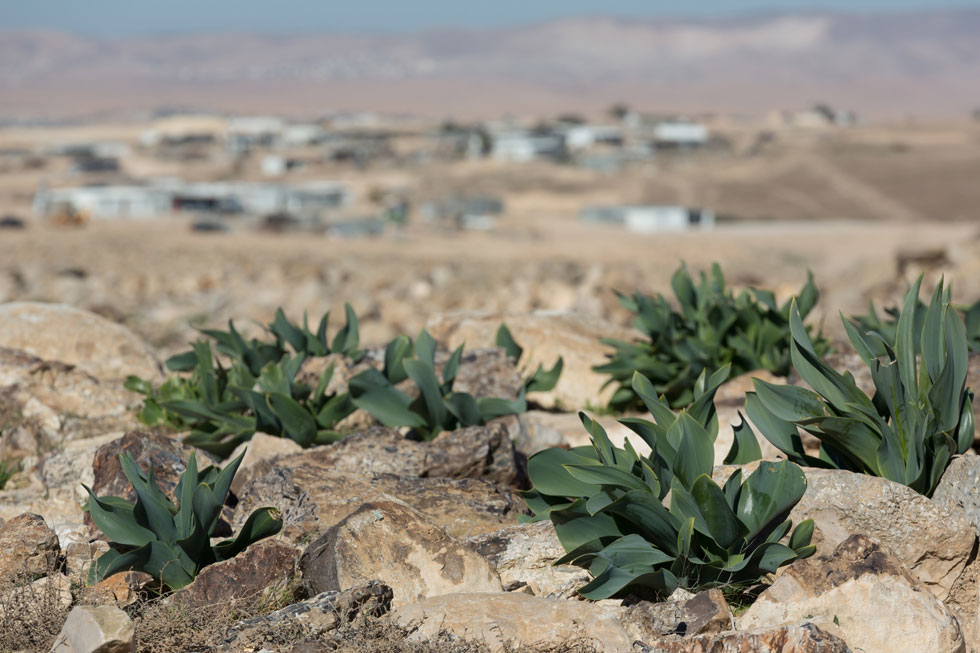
<point>91,629</point>
<point>45,404</point>
<point>803,637</point>
<point>876,603</point>
<point>684,614</point>
<point>265,566</point>
<point>484,452</point>
<point>959,488</point>
<point>544,336</point>
<point>934,541</point>
<point>524,556</point>
<point>312,497</point>
<point>515,621</point>
<point>57,332</point>
<point>400,547</point>
<point>27,548</point>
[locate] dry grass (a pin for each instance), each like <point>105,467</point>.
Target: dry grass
<point>31,616</point>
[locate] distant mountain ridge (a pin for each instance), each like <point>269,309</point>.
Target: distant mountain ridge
<point>888,64</point>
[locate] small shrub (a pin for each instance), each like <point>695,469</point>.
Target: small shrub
<point>224,406</point>
<point>711,328</point>
<point>171,542</point>
<point>920,415</point>
<point>436,407</point>
<point>607,504</point>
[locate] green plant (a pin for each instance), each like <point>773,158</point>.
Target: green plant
<point>171,542</point>
<point>607,504</point>
<point>541,380</point>
<point>712,328</point>
<point>435,407</point>
<point>887,328</point>
<point>224,406</point>
<point>920,415</point>
<point>8,467</point>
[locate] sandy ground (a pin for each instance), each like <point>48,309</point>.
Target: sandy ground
<point>158,277</point>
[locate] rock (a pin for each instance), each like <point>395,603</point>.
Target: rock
<point>57,332</point>
<point>79,557</point>
<point>523,557</point>
<point>265,566</point>
<point>121,589</point>
<point>90,629</point>
<point>260,452</point>
<point>165,455</point>
<point>791,638</point>
<point>476,452</point>
<point>316,616</point>
<point>703,613</point>
<point>45,404</point>
<point>544,336</point>
<point>313,497</point>
<point>933,541</point>
<point>485,373</point>
<point>959,488</point>
<point>873,599</point>
<point>400,547</point>
<point>27,548</point>
<point>515,621</point>
<point>532,433</point>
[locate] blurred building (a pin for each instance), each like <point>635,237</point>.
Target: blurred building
<point>651,218</point>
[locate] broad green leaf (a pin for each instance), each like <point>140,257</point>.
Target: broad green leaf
<point>768,493</point>
<point>506,341</point>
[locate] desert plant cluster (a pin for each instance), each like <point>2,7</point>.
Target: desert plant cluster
<point>643,517</point>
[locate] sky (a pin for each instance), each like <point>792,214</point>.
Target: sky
<point>133,17</point>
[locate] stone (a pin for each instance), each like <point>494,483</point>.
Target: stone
<point>312,497</point>
<point>266,566</point>
<point>703,613</point>
<point>514,621</point>
<point>869,595</point>
<point>523,556</point>
<point>959,488</point>
<point>934,541</point>
<point>261,450</point>
<point>532,433</point>
<point>316,616</point>
<point>167,456</point>
<point>544,335</point>
<point>45,404</point>
<point>27,548</point>
<point>485,372</point>
<point>56,332</point>
<point>121,589</point>
<point>400,547</point>
<point>484,452</point>
<point>803,637</point>
<point>91,629</point>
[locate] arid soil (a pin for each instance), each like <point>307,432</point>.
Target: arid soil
<point>159,278</point>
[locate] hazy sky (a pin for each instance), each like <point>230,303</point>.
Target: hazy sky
<point>121,17</point>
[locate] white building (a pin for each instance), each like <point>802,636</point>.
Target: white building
<point>111,202</point>
<point>680,134</point>
<point>520,146</point>
<point>650,219</point>
<point>581,137</point>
